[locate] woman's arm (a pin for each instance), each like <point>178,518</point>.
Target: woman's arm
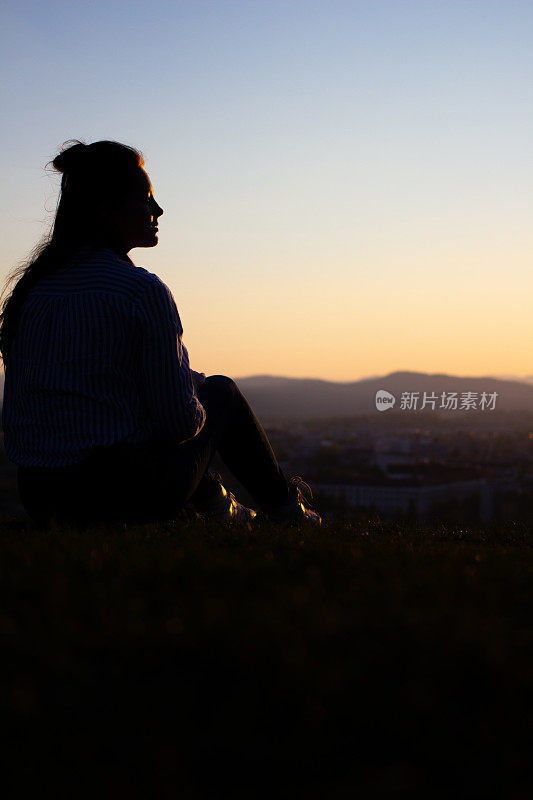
<point>166,380</point>
<point>197,378</point>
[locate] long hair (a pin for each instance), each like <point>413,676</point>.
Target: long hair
<point>91,174</point>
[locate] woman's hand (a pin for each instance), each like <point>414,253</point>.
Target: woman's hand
<point>197,379</point>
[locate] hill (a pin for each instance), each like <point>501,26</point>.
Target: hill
<point>302,398</point>
<point>358,660</point>
<point>275,398</point>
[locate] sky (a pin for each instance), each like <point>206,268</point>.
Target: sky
<point>347,184</point>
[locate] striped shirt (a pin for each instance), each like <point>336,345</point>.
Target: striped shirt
<point>97,358</point>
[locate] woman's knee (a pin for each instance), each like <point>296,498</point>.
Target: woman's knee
<point>221,386</point>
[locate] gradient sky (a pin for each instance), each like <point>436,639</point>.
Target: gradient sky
<point>348,186</point>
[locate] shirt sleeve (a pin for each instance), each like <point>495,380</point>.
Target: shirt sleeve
<point>166,386</point>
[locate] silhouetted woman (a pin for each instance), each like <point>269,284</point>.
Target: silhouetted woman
<point>102,412</point>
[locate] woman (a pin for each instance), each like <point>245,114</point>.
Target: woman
<point>102,412</point>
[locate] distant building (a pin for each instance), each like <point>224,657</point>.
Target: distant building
<point>390,499</point>
<point>393,444</point>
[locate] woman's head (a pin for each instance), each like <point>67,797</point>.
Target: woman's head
<point>105,200</point>
<point>106,197</point>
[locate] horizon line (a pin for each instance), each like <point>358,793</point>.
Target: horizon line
<point>500,377</point>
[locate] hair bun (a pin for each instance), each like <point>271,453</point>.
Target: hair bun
<point>71,157</point>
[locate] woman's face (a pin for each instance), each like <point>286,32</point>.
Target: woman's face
<point>135,218</point>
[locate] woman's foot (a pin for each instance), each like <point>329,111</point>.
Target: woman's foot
<point>297,510</point>
<point>225,507</point>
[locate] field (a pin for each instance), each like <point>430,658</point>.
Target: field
<point>189,660</point>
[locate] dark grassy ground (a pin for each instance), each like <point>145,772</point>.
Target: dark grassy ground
<point>193,661</point>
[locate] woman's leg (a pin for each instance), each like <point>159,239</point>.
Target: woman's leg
<point>232,429</point>
<point>162,480</point>
<point>149,481</point>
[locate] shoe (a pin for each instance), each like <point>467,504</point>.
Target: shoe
<point>225,507</point>
<point>296,510</point>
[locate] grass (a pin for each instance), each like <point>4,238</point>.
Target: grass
<point>358,660</point>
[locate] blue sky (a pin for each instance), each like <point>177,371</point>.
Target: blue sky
<point>347,186</point>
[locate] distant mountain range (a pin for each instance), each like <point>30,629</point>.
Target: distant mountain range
<point>524,379</point>
<point>274,398</point>
<point>302,398</point>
